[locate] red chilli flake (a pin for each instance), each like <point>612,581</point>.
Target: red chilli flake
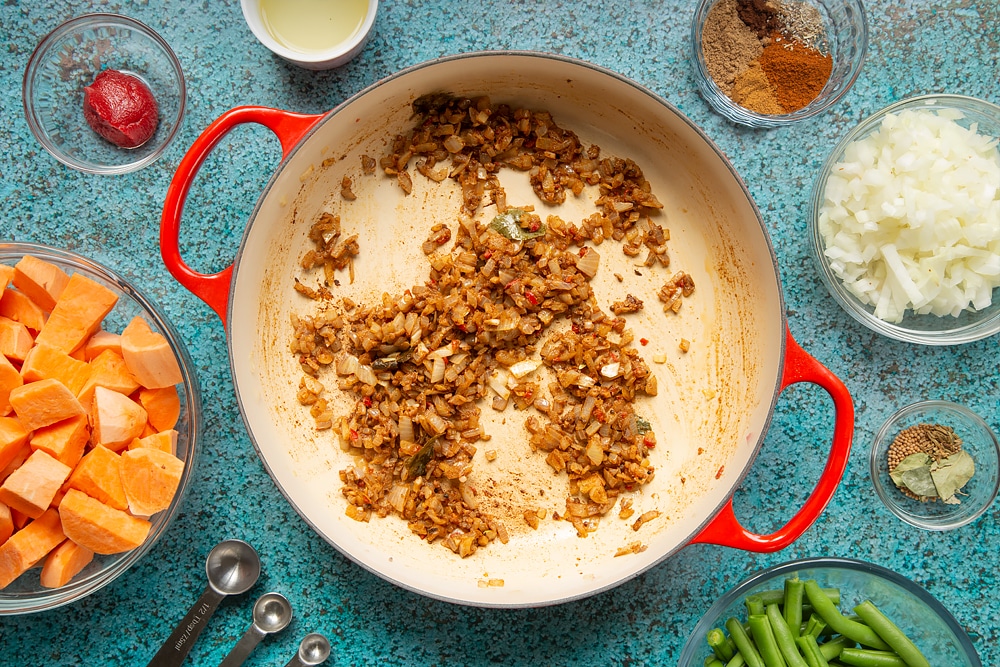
<point>718,475</point>
<point>367,400</point>
<point>643,341</point>
<point>531,297</point>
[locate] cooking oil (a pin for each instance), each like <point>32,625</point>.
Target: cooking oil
<point>312,25</point>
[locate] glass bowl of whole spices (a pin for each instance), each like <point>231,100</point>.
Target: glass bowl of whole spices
<point>769,63</point>
<point>935,465</point>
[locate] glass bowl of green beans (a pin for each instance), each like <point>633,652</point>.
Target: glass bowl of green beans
<point>849,612</point>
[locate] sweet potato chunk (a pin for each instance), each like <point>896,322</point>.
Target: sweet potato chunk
<point>102,529</point>
<point>116,419</point>
<point>63,440</point>
<point>41,281</point>
<point>29,545</point>
<point>19,307</point>
<point>107,370</point>
<point>13,436</point>
<point>150,477</point>
<point>77,314</point>
<point>149,356</point>
<point>6,523</point>
<point>10,379</point>
<point>45,402</point>
<point>64,563</point>
<point>15,339</point>
<point>165,441</point>
<point>99,475</point>
<point>101,341</point>
<point>45,361</point>
<point>163,406</point>
<point>31,488</point>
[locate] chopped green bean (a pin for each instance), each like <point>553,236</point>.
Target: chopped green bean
<point>743,643</point>
<point>712,661</point>
<point>814,626</point>
<point>862,657</point>
<point>737,661</point>
<point>828,612</point>
<point>720,644</point>
<point>754,605</point>
<point>832,648</point>
<point>890,632</point>
<point>792,609</point>
<point>776,595</point>
<point>784,638</point>
<point>810,649</point>
<point>763,637</point>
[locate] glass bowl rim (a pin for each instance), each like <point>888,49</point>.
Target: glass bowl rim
<point>34,63</point>
<point>956,336</point>
<point>44,599</point>
<point>743,116</point>
<point>714,612</point>
<point>882,434</point>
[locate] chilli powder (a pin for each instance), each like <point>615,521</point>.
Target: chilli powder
<point>768,56</point>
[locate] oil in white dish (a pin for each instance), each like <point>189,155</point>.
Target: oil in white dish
<point>308,26</point>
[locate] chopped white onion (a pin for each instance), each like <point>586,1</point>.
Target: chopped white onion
<point>589,263</point>
<point>910,218</point>
<point>522,368</point>
<point>498,383</point>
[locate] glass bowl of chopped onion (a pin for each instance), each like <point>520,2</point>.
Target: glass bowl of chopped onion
<point>934,464</point>
<point>905,220</point>
<point>744,54</point>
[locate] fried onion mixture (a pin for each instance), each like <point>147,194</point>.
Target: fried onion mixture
<point>505,316</point>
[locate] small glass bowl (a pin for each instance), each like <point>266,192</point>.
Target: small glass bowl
<point>847,38</point>
<point>68,59</point>
<point>977,439</point>
<point>925,329</point>
<point>926,621</point>
<point>26,594</point>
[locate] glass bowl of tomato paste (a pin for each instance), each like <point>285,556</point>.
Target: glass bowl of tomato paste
<point>69,59</point>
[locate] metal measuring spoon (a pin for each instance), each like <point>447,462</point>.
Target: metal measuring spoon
<point>313,650</point>
<point>232,568</point>
<point>271,613</point>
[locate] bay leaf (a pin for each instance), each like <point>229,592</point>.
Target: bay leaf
<point>915,468</point>
<point>951,473</point>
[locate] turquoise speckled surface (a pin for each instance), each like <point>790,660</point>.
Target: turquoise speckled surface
<point>915,47</point>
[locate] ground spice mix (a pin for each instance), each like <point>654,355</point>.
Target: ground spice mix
<point>767,56</point>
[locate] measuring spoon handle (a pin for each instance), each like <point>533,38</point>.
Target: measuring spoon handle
<point>244,647</point>
<point>295,662</point>
<point>179,643</point>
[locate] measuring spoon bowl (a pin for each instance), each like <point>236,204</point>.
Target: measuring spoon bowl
<point>314,649</point>
<point>271,613</point>
<point>232,567</point>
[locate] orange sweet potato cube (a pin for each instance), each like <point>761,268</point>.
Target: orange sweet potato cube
<point>99,475</point>
<point>15,339</point>
<point>63,563</point>
<point>149,356</point>
<point>6,275</point>
<point>45,402</point>
<point>45,361</point>
<point>107,370</point>
<point>165,441</point>
<point>29,545</point>
<point>20,456</point>
<point>77,314</point>
<point>162,405</point>
<point>98,527</point>
<point>42,281</point>
<point>10,378</point>
<point>13,436</point>
<point>63,440</point>
<point>19,307</point>
<point>6,523</point>
<point>150,478</point>
<point>101,341</point>
<point>116,419</point>
<point>31,488</point>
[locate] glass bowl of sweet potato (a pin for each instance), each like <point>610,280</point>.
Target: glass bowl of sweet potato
<point>99,416</point>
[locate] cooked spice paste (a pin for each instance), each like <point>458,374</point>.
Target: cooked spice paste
<point>768,56</point>
<point>421,364</point>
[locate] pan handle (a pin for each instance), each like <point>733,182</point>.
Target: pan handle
<point>725,528</point>
<point>213,288</point>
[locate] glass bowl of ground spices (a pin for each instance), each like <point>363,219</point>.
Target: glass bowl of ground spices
<point>769,63</point>
<point>935,465</point>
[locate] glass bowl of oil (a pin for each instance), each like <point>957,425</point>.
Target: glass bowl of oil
<point>314,34</point>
